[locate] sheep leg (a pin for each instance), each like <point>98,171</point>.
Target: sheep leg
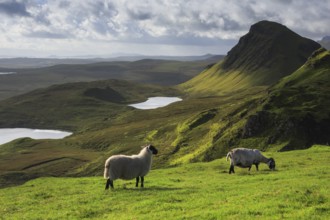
<point>142,181</point>
<point>250,168</point>
<point>231,169</point>
<point>137,181</point>
<point>257,166</point>
<point>109,183</point>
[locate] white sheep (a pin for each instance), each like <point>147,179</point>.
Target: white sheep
<point>245,158</point>
<point>129,167</point>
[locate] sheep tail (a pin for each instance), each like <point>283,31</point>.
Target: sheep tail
<point>228,156</point>
<point>106,169</point>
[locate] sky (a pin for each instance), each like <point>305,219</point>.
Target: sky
<point>103,28</point>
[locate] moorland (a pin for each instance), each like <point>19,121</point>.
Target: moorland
<point>270,92</point>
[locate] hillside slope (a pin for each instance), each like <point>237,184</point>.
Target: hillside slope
<point>296,110</point>
<point>298,189</point>
<point>73,106</point>
<point>268,52</point>
<point>96,112</point>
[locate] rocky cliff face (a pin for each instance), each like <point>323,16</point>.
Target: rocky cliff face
<point>296,109</point>
<point>270,46</point>
<point>266,54</point>
<point>300,132</point>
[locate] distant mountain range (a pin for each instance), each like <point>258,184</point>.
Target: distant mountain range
<point>161,72</point>
<point>25,62</point>
<point>325,42</point>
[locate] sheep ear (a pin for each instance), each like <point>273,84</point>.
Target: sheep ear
<point>148,145</point>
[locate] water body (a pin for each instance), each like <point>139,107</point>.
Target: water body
<point>156,102</point>
<point>9,134</point>
<point>5,73</point>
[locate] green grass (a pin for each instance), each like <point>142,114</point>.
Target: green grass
<point>298,189</point>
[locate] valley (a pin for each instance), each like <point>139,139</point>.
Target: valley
<point>150,71</point>
<point>276,101</point>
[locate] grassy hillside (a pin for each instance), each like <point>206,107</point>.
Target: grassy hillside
<point>197,129</point>
<point>297,189</point>
<point>95,112</point>
<point>161,72</point>
<point>296,110</point>
<point>268,52</point>
<point>103,125</point>
<point>72,106</point>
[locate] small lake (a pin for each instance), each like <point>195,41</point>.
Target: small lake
<point>156,102</point>
<point>9,134</point>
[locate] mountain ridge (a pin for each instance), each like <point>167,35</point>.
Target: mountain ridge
<point>268,52</point>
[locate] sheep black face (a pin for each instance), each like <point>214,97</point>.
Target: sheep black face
<point>271,164</point>
<point>152,149</point>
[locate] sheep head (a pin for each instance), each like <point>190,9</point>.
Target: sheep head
<point>271,163</point>
<point>152,149</point>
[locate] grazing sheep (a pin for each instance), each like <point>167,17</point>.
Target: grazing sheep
<point>245,158</point>
<point>129,167</point>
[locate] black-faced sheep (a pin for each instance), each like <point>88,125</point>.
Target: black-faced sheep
<point>129,167</point>
<point>245,158</point>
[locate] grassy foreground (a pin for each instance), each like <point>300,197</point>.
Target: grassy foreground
<point>298,189</point>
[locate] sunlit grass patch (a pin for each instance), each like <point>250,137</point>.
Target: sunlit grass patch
<point>298,189</point>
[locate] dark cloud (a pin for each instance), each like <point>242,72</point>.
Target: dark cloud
<point>139,14</point>
<point>46,34</point>
<point>14,8</point>
<point>64,4</point>
<point>187,40</point>
<point>42,18</point>
<point>102,9</point>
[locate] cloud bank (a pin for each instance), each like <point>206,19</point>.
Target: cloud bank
<point>168,27</point>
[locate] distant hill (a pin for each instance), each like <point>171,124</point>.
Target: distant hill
<point>64,106</point>
<point>268,52</point>
<point>325,42</point>
<point>161,72</point>
<point>177,58</point>
<point>26,62</point>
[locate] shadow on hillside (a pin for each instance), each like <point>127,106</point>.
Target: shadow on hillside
<point>160,188</point>
<point>152,188</point>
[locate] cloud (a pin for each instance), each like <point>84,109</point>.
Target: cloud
<point>150,22</point>
<point>138,14</point>
<point>14,8</point>
<point>47,35</point>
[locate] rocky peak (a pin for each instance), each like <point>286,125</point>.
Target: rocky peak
<point>272,46</point>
